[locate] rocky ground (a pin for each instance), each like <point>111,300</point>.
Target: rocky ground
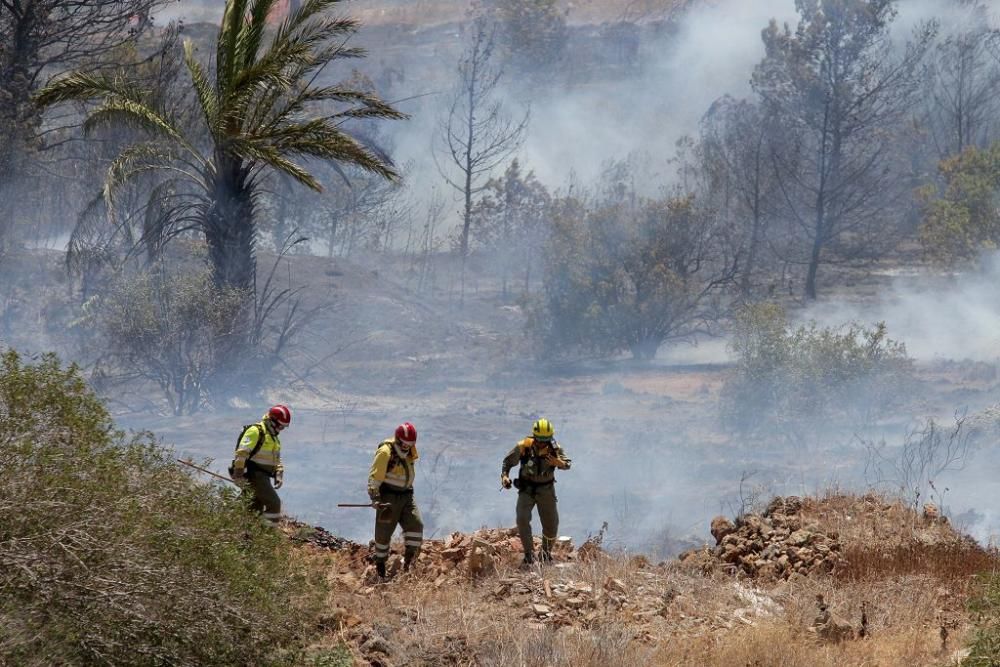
<point>799,574</point>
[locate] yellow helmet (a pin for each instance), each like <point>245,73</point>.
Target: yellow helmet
<point>542,429</point>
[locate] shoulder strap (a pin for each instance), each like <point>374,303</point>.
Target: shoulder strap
<point>525,450</point>
<point>260,440</point>
<point>394,459</point>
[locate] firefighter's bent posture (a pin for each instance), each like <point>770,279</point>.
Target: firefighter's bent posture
<point>257,461</point>
<point>391,482</point>
<point>538,457</point>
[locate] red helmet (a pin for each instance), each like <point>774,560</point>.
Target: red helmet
<point>406,433</point>
<point>280,415</point>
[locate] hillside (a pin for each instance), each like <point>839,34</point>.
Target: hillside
<point>171,568</point>
<point>871,582</point>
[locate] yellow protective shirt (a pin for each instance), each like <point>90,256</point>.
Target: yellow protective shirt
<point>391,468</point>
<point>268,457</point>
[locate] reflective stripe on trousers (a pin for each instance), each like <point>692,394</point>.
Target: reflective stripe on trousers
<point>400,511</point>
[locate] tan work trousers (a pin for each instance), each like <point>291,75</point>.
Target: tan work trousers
<point>544,497</point>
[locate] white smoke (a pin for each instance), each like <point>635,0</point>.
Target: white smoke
<point>938,315</point>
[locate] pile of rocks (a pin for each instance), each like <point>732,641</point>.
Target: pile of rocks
<point>774,545</point>
<point>559,602</point>
<point>317,536</point>
<point>479,554</point>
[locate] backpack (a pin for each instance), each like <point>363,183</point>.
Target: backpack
<point>256,447</point>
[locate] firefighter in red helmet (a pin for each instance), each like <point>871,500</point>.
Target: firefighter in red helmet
<point>390,483</point>
<point>257,462</point>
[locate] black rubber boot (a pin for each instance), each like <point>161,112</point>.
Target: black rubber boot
<point>529,559</point>
<point>545,556</point>
<point>409,558</point>
<point>380,568</point>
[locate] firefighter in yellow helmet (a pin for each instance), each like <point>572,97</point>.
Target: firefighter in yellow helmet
<point>538,457</point>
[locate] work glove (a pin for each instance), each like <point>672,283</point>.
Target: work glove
<point>505,481</point>
<point>556,462</point>
<point>279,477</point>
<point>239,474</point>
<point>373,494</point>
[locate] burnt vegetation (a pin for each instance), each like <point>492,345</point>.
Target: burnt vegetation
<point>287,200</point>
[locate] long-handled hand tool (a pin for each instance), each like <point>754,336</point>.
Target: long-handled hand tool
<point>375,505</point>
<point>207,471</point>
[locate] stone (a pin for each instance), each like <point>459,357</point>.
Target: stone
<point>799,538</point>
<point>753,523</point>
<point>832,628</point>
<point>722,527</point>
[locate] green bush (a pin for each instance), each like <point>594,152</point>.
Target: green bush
<point>985,608</point>
<point>796,381</point>
<point>961,218</point>
<point>339,656</point>
<point>113,556</point>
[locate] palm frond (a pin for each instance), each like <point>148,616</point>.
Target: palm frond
<point>270,156</point>
<point>207,98</point>
<point>226,49</point>
<point>117,110</point>
<point>288,58</point>
<point>168,212</point>
<point>135,158</point>
<point>252,34</point>
<point>308,10</point>
<point>89,224</point>
<point>321,139</point>
<point>379,111</point>
<point>82,87</point>
<point>370,105</point>
<point>341,51</point>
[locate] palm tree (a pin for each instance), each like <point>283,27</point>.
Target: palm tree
<point>263,111</point>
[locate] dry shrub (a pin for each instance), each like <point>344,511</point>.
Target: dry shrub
<point>885,538</point>
<point>956,561</point>
<point>776,644</point>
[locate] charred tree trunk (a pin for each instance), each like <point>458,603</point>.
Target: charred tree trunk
<point>17,122</point>
<point>230,229</point>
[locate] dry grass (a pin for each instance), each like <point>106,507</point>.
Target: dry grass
<point>674,615</point>
<point>702,621</point>
<point>952,562</point>
<point>777,644</point>
<point>884,538</point>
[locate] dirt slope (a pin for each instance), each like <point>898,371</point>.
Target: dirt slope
<point>896,596</point>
